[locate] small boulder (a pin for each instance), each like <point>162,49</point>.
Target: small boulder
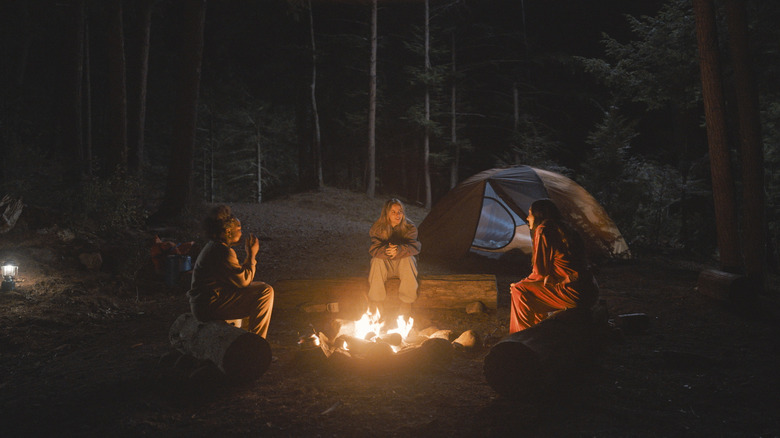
<point>91,260</point>
<point>476,307</point>
<point>467,341</point>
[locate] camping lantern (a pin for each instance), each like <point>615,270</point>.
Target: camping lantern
<point>10,270</point>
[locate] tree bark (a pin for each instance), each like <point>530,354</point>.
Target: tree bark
<point>238,353</point>
<point>454,121</point>
<point>258,162</point>
<point>179,186</point>
<point>115,153</point>
<point>87,165</point>
<point>371,158</point>
<point>751,149</point>
<point>137,69</point>
<point>427,141</point>
<point>712,93</point>
<point>71,115</point>
<point>315,112</point>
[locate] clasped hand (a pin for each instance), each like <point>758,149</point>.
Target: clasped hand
<point>391,250</point>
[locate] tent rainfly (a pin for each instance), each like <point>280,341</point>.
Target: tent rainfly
<point>486,214</point>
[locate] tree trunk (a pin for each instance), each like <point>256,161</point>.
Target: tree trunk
<point>315,113</point>
<point>71,116</point>
<point>371,159</point>
<point>454,122</point>
<point>427,141</point>
<point>259,163</point>
<point>87,164</point>
<point>178,189</point>
<point>137,68</point>
<point>115,152</point>
<point>238,353</point>
<point>751,149</point>
<point>712,93</point>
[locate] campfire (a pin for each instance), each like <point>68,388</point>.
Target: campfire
<point>353,336</point>
<point>372,343</point>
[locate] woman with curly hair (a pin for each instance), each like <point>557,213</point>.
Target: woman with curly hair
<point>222,287</point>
<point>394,247</point>
<point>560,277</point>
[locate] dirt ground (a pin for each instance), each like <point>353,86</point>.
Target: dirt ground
<point>80,350</point>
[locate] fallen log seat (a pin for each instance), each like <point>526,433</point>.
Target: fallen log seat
<point>527,363</point>
<point>239,354</point>
<point>725,286</point>
<point>435,291</point>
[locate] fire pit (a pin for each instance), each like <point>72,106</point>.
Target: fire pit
<point>367,344</point>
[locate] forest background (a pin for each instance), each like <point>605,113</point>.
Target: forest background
<point>120,114</point>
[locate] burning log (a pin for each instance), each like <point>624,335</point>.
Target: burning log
<point>353,354</point>
<point>239,354</point>
<point>524,363</point>
<point>394,339</point>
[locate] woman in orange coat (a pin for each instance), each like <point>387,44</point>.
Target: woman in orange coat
<point>560,277</point>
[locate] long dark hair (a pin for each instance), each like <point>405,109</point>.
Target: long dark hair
<point>564,237</point>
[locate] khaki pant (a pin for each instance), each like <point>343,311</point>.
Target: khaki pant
<point>404,269</point>
<point>254,302</point>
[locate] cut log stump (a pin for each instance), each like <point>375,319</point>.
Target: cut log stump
<point>435,291</point>
<point>239,354</point>
<point>725,286</point>
<point>526,363</point>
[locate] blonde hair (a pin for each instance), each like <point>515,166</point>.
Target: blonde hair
<point>382,226</point>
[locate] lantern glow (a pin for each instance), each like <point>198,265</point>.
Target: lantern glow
<point>9,271</point>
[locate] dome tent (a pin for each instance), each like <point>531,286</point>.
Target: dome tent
<point>486,214</point>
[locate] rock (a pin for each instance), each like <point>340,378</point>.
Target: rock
<point>447,335</point>
<point>476,307</point>
<point>66,235</point>
<point>429,331</point>
<point>468,340</point>
<point>92,261</point>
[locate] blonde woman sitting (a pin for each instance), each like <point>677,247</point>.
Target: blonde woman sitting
<point>394,247</point>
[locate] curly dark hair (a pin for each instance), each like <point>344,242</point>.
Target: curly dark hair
<point>219,220</point>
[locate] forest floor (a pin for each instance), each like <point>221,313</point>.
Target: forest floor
<point>80,350</point>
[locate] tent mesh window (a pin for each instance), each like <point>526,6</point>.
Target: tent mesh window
<point>497,223</point>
